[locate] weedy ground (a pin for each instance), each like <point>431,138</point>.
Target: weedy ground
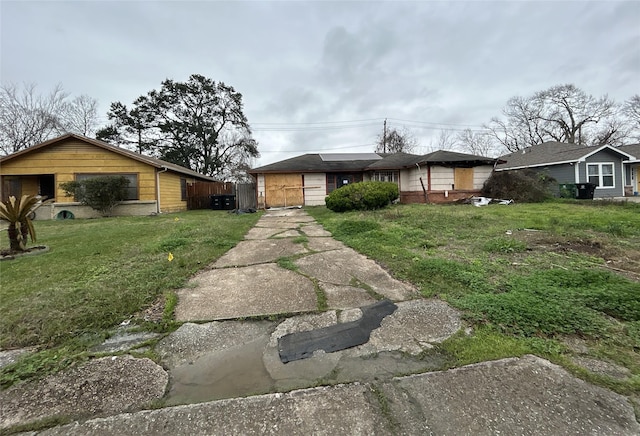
<point>528,278</point>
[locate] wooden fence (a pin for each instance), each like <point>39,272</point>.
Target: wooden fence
<point>199,194</point>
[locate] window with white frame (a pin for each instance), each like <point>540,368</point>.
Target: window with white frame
<point>385,176</point>
<point>601,175</point>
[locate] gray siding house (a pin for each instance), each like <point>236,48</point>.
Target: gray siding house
<point>613,170</point>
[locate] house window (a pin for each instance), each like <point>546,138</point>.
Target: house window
<point>601,175</point>
<point>385,176</point>
<point>183,189</point>
<point>335,180</point>
<point>132,189</point>
<point>627,176</point>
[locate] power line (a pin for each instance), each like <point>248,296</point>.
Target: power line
<point>343,147</point>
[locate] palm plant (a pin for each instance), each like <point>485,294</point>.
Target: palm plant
<point>17,213</point>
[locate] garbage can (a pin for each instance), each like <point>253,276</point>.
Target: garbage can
<point>228,202</point>
<point>567,190</point>
<point>585,191</point>
<point>216,202</point>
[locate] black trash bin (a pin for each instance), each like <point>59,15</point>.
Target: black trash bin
<point>585,191</point>
<point>216,202</point>
<point>223,202</point>
<point>228,202</point>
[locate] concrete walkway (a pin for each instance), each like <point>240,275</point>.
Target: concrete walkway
<point>220,372</point>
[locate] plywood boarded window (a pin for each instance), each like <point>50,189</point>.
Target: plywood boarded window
<point>463,179</point>
<point>282,190</point>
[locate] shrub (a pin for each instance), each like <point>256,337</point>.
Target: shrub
<point>101,193</point>
<point>522,186</point>
<point>362,196</point>
<point>17,213</point>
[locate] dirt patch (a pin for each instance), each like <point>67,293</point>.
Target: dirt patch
<point>625,261</point>
<point>11,254</point>
<point>153,313</point>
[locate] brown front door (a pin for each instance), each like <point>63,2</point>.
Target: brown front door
<point>282,190</point>
<point>463,179</point>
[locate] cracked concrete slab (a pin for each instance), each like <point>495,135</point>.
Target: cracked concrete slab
<point>516,396</point>
<point>314,230</point>
<point>256,290</point>
<point>192,341</point>
<point>261,233</point>
<point>343,409</point>
<point>259,251</point>
<point>345,297</point>
<point>527,395</point>
<point>331,267</point>
<point>324,244</point>
<point>107,385</point>
<point>413,328</point>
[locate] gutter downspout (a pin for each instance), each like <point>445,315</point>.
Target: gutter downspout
<point>163,170</point>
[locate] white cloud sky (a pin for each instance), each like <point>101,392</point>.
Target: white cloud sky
<point>443,64</point>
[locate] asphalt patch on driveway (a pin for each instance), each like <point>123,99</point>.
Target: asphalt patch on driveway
<point>302,345</point>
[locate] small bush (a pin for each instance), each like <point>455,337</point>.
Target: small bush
<point>523,186</point>
<point>101,193</point>
<point>362,196</point>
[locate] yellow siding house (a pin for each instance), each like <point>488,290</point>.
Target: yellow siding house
<point>155,186</point>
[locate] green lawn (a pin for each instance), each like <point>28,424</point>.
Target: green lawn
<point>529,278</point>
<point>100,272</point>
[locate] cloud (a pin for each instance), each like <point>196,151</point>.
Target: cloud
<point>438,63</point>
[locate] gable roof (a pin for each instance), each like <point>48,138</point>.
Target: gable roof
<point>157,163</point>
<point>632,149</point>
<point>314,163</point>
<point>317,163</point>
<point>552,153</point>
<point>452,157</point>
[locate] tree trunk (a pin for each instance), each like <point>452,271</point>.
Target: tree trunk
<point>15,238</point>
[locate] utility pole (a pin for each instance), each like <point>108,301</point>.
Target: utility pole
<point>384,137</point>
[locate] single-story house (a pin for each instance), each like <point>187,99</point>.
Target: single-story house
<point>155,186</point>
<point>436,177</point>
<point>613,170</point>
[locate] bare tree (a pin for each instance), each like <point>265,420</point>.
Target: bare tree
<point>446,140</point>
<point>567,112</point>
<point>562,113</point>
<point>27,118</point>
<point>396,141</point>
<point>478,143</point>
<point>81,115</point>
<point>631,112</point>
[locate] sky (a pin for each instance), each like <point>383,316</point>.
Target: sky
<point>322,76</point>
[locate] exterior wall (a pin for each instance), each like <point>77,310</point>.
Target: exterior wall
<point>315,188</point>
<point>480,175</point>
<point>436,197</point>
<point>171,193</point>
<point>605,156</point>
<point>50,211</point>
<point>564,173</point>
<point>71,157</point>
<point>441,178</point>
<point>410,179</point>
